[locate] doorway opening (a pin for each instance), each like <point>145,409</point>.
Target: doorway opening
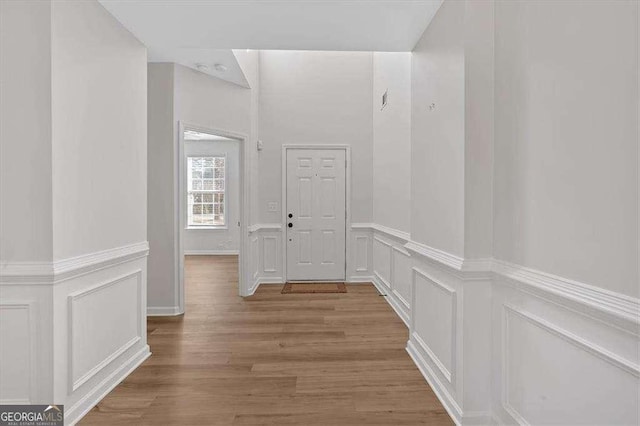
<point>211,198</point>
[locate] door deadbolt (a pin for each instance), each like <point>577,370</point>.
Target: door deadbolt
<point>290,215</point>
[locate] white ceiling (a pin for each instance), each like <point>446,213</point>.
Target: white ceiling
<point>192,31</point>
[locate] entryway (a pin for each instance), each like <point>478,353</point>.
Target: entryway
<point>315,213</point>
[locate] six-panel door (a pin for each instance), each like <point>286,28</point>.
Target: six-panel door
<point>315,210</point>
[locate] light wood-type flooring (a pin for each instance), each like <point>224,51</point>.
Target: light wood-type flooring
<point>272,359</point>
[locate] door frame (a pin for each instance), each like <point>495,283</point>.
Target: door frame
<point>347,183</point>
<point>179,201</point>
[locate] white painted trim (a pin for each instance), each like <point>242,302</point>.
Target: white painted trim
<point>441,256</point>
<point>271,280</point>
<point>445,398</point>
<point>28,305</point>
<point>390,232</point>
<point>50,273</point>
<point>71,298</point>
<point>613,303</point>
<point>450,375</point>
<point>596,350</point>
<point>163,311</point>
<point>211,252</point>
<point>179,200</point>
<point>390,298</point>
<point>347,234</point>
<point>93,397</point>
<point>359,279</point>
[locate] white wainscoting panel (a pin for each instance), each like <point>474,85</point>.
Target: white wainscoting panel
<point>17,352</point>
<point>77,334</point>
<point>101,325</point>
<point>382,261</point>
<point>265,254</point>
<point>551,375</point>
<point>270,253</point>
<point>435,322</point>
<point>401,279</point>
<point>361,251</point>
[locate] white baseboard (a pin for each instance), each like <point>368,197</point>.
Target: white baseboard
<point>94,396</point>
<point>438,388</point>
<point>163,311</point>
<point>391,300</point>
<point>211,252</point>
<point>264,280</point>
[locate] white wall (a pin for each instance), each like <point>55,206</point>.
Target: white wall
<point>392,140</point>
<point>25,132</point>
<point>566,148</point>
<point>438,132</point>
<point>542,252</point>
<point>218,240</point>
<point>315,98</point>
<point>76,305</point>
<point>97,106</point>
<point>479,129</point>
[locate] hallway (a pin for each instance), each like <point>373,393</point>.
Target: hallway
<point>299,359</point>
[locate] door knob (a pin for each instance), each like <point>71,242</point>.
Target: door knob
<point>290,225</point>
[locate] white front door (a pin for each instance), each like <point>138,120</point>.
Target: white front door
<point>315,213</point>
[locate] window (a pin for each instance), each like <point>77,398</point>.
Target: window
<point>205,191</point>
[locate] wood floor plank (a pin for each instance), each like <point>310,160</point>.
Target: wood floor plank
<point>272,359</point>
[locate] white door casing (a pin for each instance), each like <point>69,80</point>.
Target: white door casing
<point>316,201</point>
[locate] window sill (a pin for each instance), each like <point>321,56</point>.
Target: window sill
<point>207,228</point>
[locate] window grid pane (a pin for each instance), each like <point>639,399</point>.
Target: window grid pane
<point>205,191</point>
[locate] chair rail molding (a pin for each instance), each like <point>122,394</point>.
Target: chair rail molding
<point>55,272</point>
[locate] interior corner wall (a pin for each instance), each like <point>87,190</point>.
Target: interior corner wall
<point>162,131</point>
<point>566,140</point>
<point>73,311</point>
<point>315,98</point>
<point>392,140</point>
<point>479,129</point>
<point>99,125</point>
<point>26,232</point>
<point>249,62</point>
<point>438,132</point>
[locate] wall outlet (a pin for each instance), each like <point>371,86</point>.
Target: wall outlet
<point>272,206</point>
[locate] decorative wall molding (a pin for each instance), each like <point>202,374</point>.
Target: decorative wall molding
<point>270,254</point>
<point>616,304</point>
<point>163,311</point>
<point>32,348</point>
<point>361,257</point>
<point>390,298</point>
<point>447,373</point>
<point>613,303</point>
<point>72,300</point>
<point>577,341</point>
<point>95,395</point>
<point>387,261</point>
<point>51,273</point>
<point>211,252</point>
<point>435,254</point>
<point>447,400</point>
